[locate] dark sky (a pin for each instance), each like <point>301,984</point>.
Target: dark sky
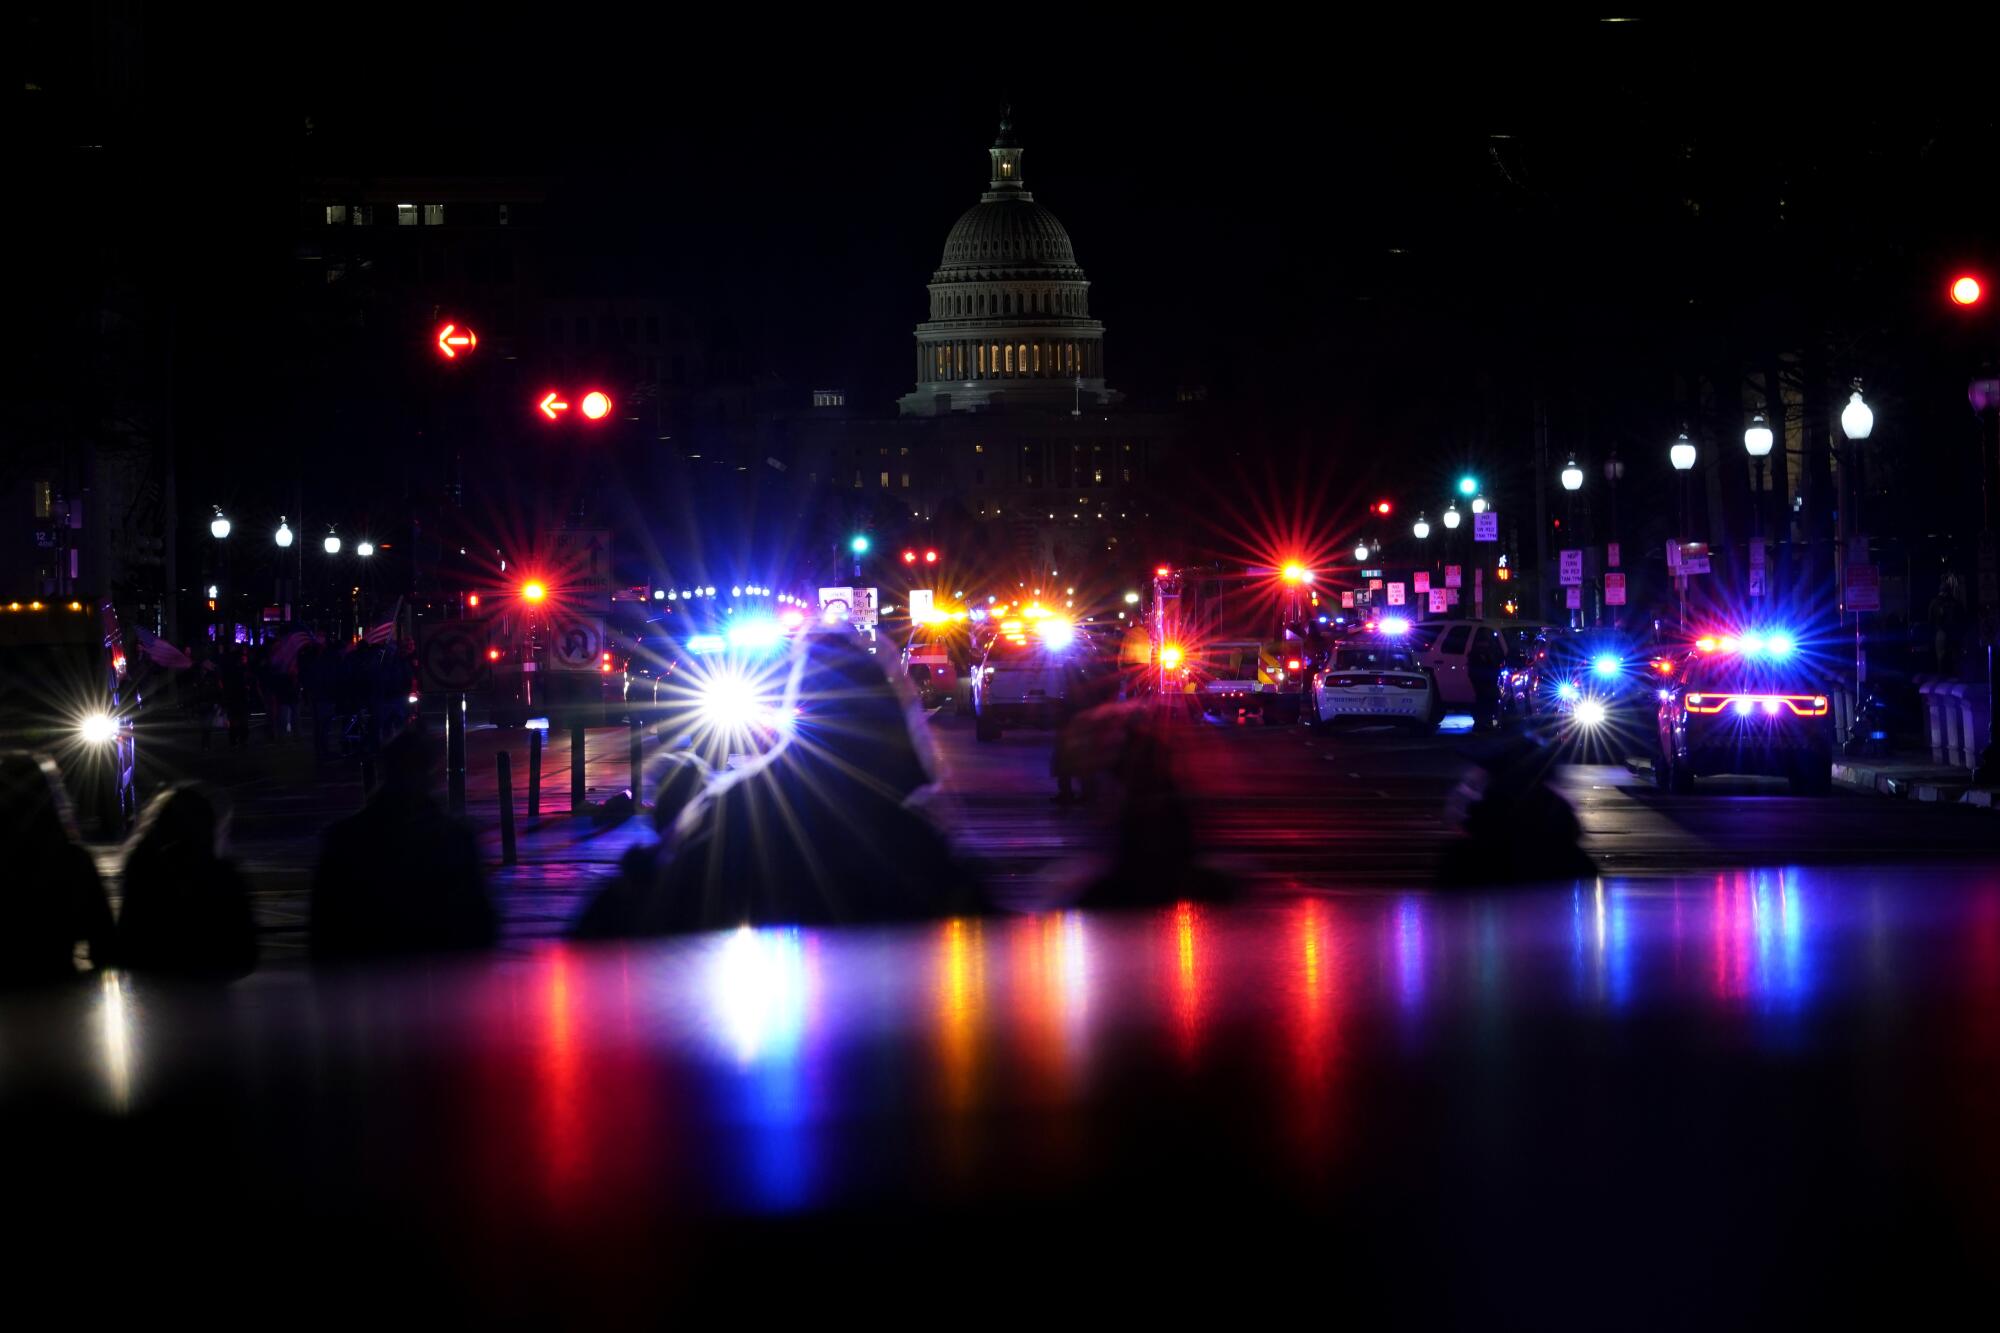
<point>1348,233</point>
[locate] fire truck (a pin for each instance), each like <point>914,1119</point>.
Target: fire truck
<point>1233,641</point>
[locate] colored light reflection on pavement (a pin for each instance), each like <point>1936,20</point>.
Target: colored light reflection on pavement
<point>1506,1048</point>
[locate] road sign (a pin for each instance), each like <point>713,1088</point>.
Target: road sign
<point>836,603</point>
<point>451,656</point>
<point>1611,554</point>
<point>921,602</point>
<point>1374,585</point>
<point>1420,581</point>
<point>1693,558</point>
<point>864,608</point>
<point>1486,526</point>
<point>1395,594</point>
<point>1572,566</point>
<point>1864,588</point>
<point>1347,601</point>
<point>1614,590</point>
<point>1438,602</point>
<point>575,642</point>
<point>1573,598</point>
<point>577,565</point>
<point>1454,576</point>
<point>456,340</point>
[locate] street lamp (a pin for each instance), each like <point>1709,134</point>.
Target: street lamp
<point>283,536</point>
<point>1479,503</point>
<point>1421,528</point>
<point>1857,423</point>
<point>332,544</point>
<point>1361,552</point>
<point>1572,475</point>
<point>218,527</point>
<point>1452,517</point>
<point>1682,453</point>
<point>364,549</point>
<point>1857,419</point>
<point>1757,442</point>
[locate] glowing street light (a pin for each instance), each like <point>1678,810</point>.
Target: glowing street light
<point>1479,504</point>
<point>283,536</point>
<point>1361,552</point>
<point>364,549</point>
<point>1421,528</point>
<point>332,543</point>
<point>1681,455</point>
<point>1572,475</point>
<point>1857,419</point>
<point>218,527</point>
<point>1468,485</point>
<point>1452,518</point>
<point>1757,439</point>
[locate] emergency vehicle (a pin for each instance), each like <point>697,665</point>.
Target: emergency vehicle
<point>1237,644</point>
<point>1744,702</point>
<point>64,691</point>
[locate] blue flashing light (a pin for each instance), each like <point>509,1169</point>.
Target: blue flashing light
<point>755,632</point>
<point>1779,644</point>
<point>1394,625</point>
<point>707,643</point>
<point>1322,620</point>
<point>1568,692</point>
<point>1456,722</point>
<point>536,724</point>
<point>1606,665</point>
<point>1058,634</point>
<point>979,613</point>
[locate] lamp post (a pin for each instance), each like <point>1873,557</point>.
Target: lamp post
<point>219,528</point>
<point>1682,455</point>
<point>1571,477</point>
<point>1857,423</point>
<point>1757,441</point>
<point>1421,529</point>
<point>282,539</point>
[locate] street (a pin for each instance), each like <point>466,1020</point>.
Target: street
<point>1279,810</point>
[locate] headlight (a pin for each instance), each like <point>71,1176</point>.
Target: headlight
<point>730,702</point>
<point>1589,713</point>
<point>98,729</point>
<point>1568,692</point>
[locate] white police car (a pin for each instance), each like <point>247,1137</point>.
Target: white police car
<point>1374,678</point>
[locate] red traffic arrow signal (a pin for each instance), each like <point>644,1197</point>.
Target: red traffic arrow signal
<point>454,340</point>
<point>552,406</point>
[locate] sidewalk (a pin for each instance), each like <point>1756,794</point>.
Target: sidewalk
<point>1913,777</point>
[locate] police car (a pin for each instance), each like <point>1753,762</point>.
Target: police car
<point>1744,702</point>
<point>1029,670</point>
<point>64,691</point>
<point>1374,678</point>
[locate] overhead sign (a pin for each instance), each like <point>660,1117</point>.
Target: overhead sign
<point>456,340</point>
<point>1454,576</point>
<point>574,644</point>
<point>1572,566</point>
<point>1420,581</point>
<point>1395,594</point>
<point>451,656</point>
<point>577,565</point>
<point>1486,527</point>
<point>1864,587</point>
<point>1614,590</point>
<point>1438,602</point>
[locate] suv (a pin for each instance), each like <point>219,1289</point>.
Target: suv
<point>1028,676</point>
<point>1728,711</point>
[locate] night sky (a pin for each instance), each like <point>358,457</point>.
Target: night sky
<point>1357,241</point>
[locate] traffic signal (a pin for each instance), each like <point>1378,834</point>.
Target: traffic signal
<point>859,543</point>
<point>909,557</point>
<point>456,340</point>
<point>1468,485</point>
<point>597,405</point>
<point>1966,290</point>
<point>930,557</point>
<point>1383,507</point>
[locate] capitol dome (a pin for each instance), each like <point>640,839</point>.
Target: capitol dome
<point>1010,321</point>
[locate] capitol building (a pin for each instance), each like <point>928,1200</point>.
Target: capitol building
<point>1010,323</point>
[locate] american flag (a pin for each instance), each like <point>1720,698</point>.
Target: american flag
<point>385,631</point>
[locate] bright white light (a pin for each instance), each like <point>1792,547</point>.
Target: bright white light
<point>1682,454</point>
<point>283,536</point>
<point>1758,439</point>
<point>1361,550</point>
<point>730,702</point>
<point>1568,692</point>
<point>536,724</point>
<point>1745,704</point>
<point>331,544</point>
<point>736,590</point>
<point>659,594</point>
<point>1607,665</point>
<point>754,632</point>
<point>1421,529</point>
<point>1589,713</point>
<point>1772,705</point>
<point>1394,625</point>
<point>1452,518</point>
<point>98,729</point>
<point>1857,419</point>
<point>1056,632</point>
<point>1131,599</point>
<point>213,592</point>
<point>1478,504</point>
<point>218,527</point>
<point>364,549</point>
<point>706,643</point>
<point>1779,645</point>
<point>1572,476</point>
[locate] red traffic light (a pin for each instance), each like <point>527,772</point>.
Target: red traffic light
<point>909,557</point>
<point>1383,507</point>
<point>492,654</point>
<point>597,405</point>
<point>552,405</point>
<point>930,557</point>
<point>1966,290</point>
<point>456,340</point>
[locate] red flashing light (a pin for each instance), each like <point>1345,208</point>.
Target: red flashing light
<point>492,654</point>
<point>1966,290</point>
<point>1384,507</point>
<point>1162,572</point>
<point>930,557</point>
<point>1293,664</point>
<point>472,600</point>
<point>597,405</point>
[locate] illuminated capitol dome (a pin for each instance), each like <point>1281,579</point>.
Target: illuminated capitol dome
<point>1009,322</point>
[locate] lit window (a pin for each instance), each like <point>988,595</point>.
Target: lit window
<point>904,452</point>
<point>362,215</point>
<point>906,481</point>
<point>336,214</point>
<point>1097,476</point>
<point>406,215</point>
<point>857,479</point>
<point>1006,168</point>
<point>44,499</point>
<point>994,360</point>
<point>1010,358</point>
<point>982,359</point>
<point>885,481</point>
<point>1038,358</point>
<point>1024,358</point>
<point>978,448</point>
<point>433,215</point>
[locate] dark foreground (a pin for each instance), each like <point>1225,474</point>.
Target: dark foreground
<point>1748,1098</point>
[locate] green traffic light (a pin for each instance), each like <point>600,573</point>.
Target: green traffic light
<point>1468,485</point>
<point>859,545</point>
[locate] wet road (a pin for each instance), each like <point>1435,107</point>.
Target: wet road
<point>1724,1100</point>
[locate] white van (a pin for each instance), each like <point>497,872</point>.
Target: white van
<point>1455,649</point>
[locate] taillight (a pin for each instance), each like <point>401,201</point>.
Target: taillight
<point>1293,664</point>
<point>1800,705</point>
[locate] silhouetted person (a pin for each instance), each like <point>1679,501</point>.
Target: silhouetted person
<point>1517,829</point>
<point>1088,684</point>
<point>401,877</point>
<point>631,903</point>
<point>821,830</point>
<point>1155,850</point>
<point>52,899</point>
<point>186,910</point>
